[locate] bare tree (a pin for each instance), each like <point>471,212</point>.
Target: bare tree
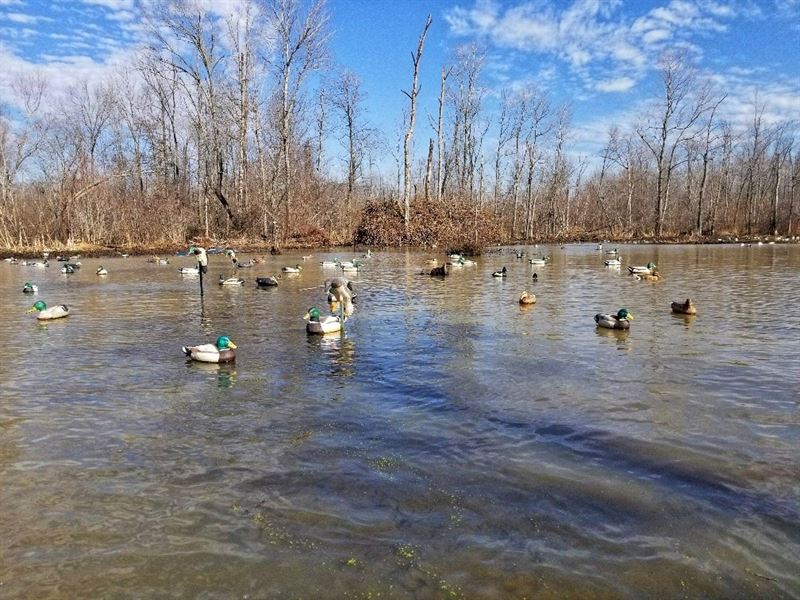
<point>673,124</point>
<point>416,57</point>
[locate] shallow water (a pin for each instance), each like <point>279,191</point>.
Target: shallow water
<point>450,444</point>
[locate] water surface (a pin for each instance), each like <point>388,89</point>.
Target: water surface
<point>450,444</point>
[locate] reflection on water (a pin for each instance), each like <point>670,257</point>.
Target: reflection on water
<point>449,443</point>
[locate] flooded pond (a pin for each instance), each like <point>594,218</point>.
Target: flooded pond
<point>451,444</point>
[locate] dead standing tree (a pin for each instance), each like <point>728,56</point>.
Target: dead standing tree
<point>301,49</point>
<point>416,57</point>
<point>671,126</point>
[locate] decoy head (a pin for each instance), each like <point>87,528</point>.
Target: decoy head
<point>313,314</point>
<point>651,265</point>
<point>535,277</point>
<point>225,343</point>
<point>624,314</point>
<point>37,307</point>
<point>28,284</point>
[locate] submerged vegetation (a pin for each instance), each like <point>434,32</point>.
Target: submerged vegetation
<point>223,128</point>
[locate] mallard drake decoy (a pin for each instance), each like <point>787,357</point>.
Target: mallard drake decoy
<point>189,270</point>
<point>639,270</point>
<point>318,324</point>
<point>527,298</point>
<point>538,261</point>
<point>47,314</point>
<point>75,265</point>
<point>329,264</point>
<point>30,288</point>
<point>68,269</point>
<point>219,352</point>
<point>619,321</point>
<point>350,265</point>
<point>266,282</point>
<point>613,262</point>
<point>685,308</point>
<point>101,271</point>
<point>614,251</point>
<point>294,269</point>
<point>38,264</point>
<point>500,273</point>
<point>230,280</point>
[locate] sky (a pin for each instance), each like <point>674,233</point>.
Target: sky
<point>599,57</point>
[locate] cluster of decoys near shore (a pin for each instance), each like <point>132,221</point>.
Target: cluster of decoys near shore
<point>339,291</point>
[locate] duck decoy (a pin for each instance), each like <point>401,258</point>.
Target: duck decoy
<point>266,281</point>
<point>500,273</point>
<point>619,321</point>
<point>101,271</point>
<point>48,314</point>
<point>527,298</point>
<point>219,352</point>
<point>230,281</point>
<point>638,270</point>
<point>30,288</point>
<point>294,269</point>
<point>318,324</point>
<point>685,308</point>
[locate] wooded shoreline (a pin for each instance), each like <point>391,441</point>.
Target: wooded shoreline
<point>245,246</point>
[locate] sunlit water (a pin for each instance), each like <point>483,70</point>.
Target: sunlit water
<point>451,444</point>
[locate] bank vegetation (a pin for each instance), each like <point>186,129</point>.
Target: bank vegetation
<point>246,128</point>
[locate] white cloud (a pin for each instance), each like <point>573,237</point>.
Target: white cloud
<point>113,5</point>
<point>25,19</point>
<point>620,84</point>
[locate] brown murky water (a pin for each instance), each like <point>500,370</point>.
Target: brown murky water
<point>451,444</point>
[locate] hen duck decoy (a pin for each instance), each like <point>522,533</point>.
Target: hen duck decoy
<point>220,352</point>
<point>685,308</point>
<point>47,314</point>
<point>527,298</point>
<point>294,269</point>
<point>619,321</point>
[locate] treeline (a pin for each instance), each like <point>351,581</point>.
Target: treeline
<point>223,127</point>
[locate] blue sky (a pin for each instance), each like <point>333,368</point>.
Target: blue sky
<point>599,56</point>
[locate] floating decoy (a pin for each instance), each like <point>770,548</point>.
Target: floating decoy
<point>47,314</point>
<point>613,262</point>
<point>318,324</point>
<point>329,264</point>
<point>654,276</point>
<point>30,288</point>
<point>639,270</point>
<point>219,352</point>
<point>189,270</point>
<point>535,277</point>
<point>68,269</point>
<point>599,246</point>
<point>101,271</point>
<point>38,264</point>
<point>519,253</point>
<point>527,298</point>
<point>614,251</point>
<point>266,282</point>
<point>306,257</point>
<point>500,273</point>
<point>432,262</point>
<point>441,271</point>
<point>685,308</point>
<point>294,269</point>
<point>230,281</point>
<point>619,321</point>
<point>541,261</point>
